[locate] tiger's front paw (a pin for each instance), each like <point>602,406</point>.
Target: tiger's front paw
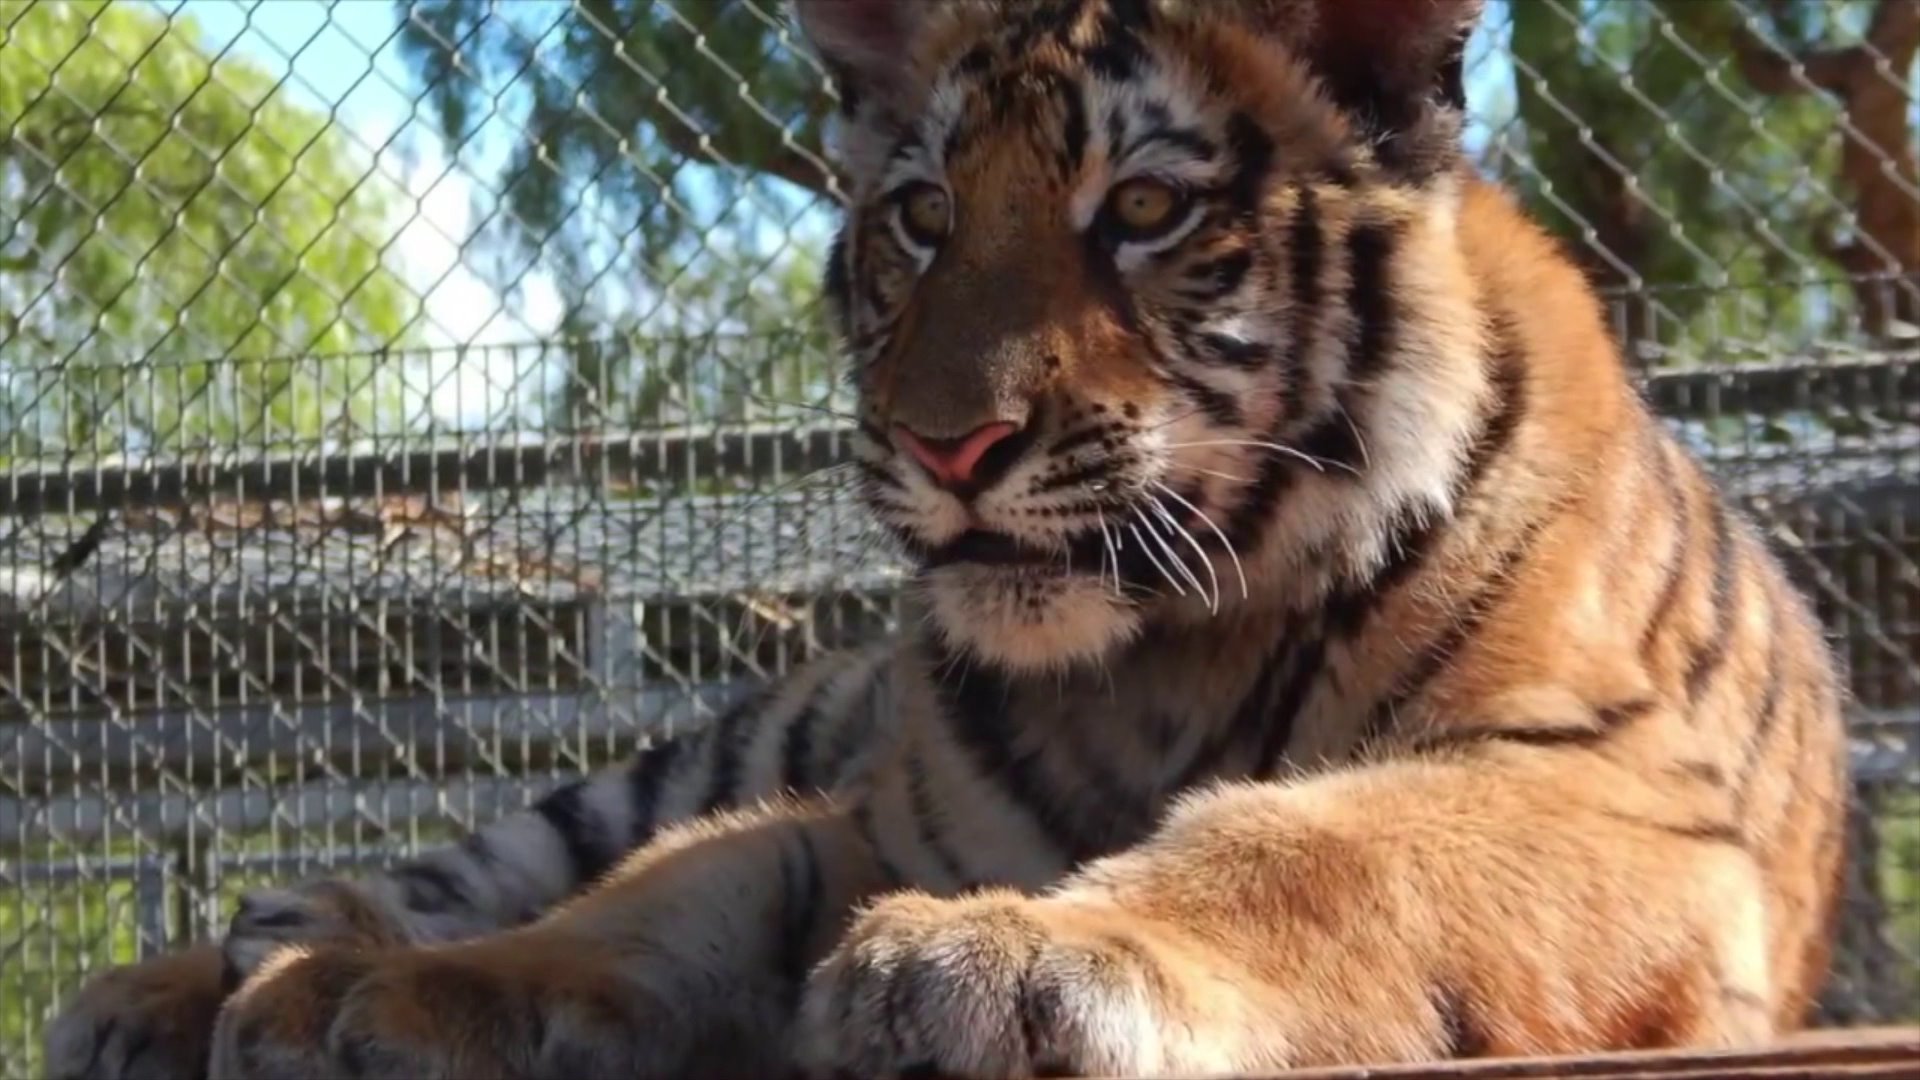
<point>489,1009</point>
<point>148,1021</point>
<point>998,985</point>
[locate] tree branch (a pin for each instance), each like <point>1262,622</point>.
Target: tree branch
<point>1895,30</point>
<point>1771,71</point>
<point>789,164</point>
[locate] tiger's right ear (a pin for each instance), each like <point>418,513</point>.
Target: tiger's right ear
<point>867,45</point>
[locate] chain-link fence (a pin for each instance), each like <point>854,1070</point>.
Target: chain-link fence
<point>405,405</point>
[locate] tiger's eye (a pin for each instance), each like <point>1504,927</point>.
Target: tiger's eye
<point>926,212</point>
<point>1141,206</point>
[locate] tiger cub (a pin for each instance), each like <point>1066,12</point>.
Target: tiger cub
<point>1323,655</point>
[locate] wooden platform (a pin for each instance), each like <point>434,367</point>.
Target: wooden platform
<point>1852,1054</point>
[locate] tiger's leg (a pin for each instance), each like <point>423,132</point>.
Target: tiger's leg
<point>804,733</point>
<point>687,960</point>
<point>1407,911</point>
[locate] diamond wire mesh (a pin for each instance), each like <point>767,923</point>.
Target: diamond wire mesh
<point>406,405</point>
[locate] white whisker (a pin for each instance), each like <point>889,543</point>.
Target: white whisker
<point>1213,604</point>
<point>1318,464</point>
<point>1113,551</point>
<point>1359,440</point>
<point>1158,565</point>
<point>1183,467</point>
<point>1172,556</point>
<point>1224,542</point>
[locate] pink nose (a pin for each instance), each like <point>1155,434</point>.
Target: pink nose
<point>953,462</point>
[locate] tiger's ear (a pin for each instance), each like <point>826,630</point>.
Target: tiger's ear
<point>867,45</point>
<point>1387,62</point>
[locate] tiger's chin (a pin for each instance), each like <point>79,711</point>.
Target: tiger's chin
<point>1029,620</point>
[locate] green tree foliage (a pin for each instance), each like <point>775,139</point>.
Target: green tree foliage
<point>181,247</point>
<point>660,159</point>
<point>1645,146</point>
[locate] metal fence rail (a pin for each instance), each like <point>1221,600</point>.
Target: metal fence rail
<point>406,405</point>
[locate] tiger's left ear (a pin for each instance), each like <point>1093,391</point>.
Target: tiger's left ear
<point>1394,65</point>
<point>867,45</point>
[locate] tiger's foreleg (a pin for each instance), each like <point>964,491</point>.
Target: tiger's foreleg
<point>687,960</point>
<point>1407,911</point>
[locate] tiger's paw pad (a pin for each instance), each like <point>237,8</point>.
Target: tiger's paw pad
<point>990,986</point>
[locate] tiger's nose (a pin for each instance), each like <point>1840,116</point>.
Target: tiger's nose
<point>967,463</point>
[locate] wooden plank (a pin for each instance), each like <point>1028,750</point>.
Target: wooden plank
<point>674,457</point>
<point>476,464</point>
<point>1847,1054</point>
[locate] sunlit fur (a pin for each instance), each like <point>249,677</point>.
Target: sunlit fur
<point>1340,665</point>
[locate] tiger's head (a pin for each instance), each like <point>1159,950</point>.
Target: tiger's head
<point>1151,305</point>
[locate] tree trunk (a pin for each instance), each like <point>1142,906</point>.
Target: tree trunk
<point>1878,162</point>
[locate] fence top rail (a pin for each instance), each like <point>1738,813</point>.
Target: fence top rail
<point>481,461</point>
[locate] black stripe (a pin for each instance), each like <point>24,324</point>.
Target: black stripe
<point>525,908</point>
<point>863,824</point>
<point>647,777</point>
<point>1073,126</point>
<point>1335,439</point>
<point>1248,522</point>
<point>796,750</point>
<point>1247,716</point>
<point>431,889</point>
<point>1217,279</point>
<point>838,282</point>
<point>730,736</point>
<point>1412,533</point>
<point>1461,1035</point>
<point>1304,265</point>
<point>1417,527</point>
<point>1222,409</point>
<point>1117,55</point>
<point>1192,142</point>
<point>1709,655</point>
<point>1608,721</point>
<point>1305,664</point>
<point>878,476</point>
<point>851,729</point>
<point>1500,580</point>
<point>1245,355</point>
<point>1369,247</point>
<point>1074,440</point>
<point>1766,717</point>
<point>974,700</point>
<point>1116,131</point>
<point>1253,159</point>
<point>975,61</point>
<point>927,819</point>
<point>1676,572</point>
<point>1706,772</point>
<point>800,892</point>
<point>1711,832</point>
<point>1076,476</point>
<point>589,848</point>
<point>1507,381</point>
